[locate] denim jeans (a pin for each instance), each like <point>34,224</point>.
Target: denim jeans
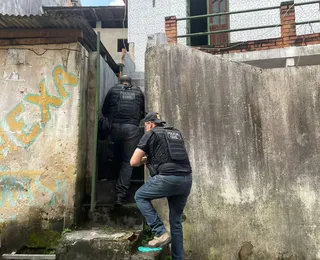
<point>176,189</point>
<point>126,138</point>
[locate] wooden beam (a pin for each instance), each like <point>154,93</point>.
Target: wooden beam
<point>39,33</point>
<point>37,41</point>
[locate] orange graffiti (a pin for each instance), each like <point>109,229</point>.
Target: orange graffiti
<point>18,126</point>
<point>61,79</point>
<point>5,145</point>
<point>44,101</point>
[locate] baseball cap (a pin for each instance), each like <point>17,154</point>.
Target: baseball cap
<point>154,117</point>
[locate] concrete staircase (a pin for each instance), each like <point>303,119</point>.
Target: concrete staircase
<point>108,233</point>
<point>107,244</point>
<point>111,233</point>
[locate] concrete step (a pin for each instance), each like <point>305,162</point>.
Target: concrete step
<point>127,216</point>
<point>107,244</point>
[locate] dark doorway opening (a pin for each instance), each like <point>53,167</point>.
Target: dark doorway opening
<point>198,7</point>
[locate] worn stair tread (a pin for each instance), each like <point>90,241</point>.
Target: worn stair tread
<point>97,244</point>
<point>103,234</point>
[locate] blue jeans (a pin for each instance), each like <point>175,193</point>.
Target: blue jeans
<point>176,189</point>
<point>126,138</point>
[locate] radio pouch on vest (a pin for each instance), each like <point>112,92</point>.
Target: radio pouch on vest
<point>175,143</point>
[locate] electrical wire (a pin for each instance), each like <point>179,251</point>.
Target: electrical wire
<point>310,25</point>
<point>123,27</point>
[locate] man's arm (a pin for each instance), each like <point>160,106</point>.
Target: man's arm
<point>138,158</point>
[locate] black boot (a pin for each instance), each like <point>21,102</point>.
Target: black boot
<point>120,201</point>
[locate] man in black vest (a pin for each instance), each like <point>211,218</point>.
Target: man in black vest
<point>124,107</point>
<point>162,149</point>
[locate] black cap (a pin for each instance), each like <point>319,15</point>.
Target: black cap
<point>125,78</point>
<point>154,117</point>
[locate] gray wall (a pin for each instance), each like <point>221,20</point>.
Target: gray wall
<point>107,80</point>
<point>253,138</point>
<point>129,65</point>
<point>41,146</point>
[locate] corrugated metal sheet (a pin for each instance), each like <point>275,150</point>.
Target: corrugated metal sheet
<point>46,21</point>
<point>110,16</point>
<point>28,7</point>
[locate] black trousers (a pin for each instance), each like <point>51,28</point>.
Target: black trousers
<point>126,138</point>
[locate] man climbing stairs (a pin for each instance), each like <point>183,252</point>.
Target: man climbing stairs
<point>109,232</point>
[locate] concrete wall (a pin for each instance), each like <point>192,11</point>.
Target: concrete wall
<point>277,58</point>
<point>28,7</point>
<point>145,19</point>
<point>129,65</point>
<point>253,138</point>
<point>109,38</point>
<point>107,80</point>
<point>42,152</point>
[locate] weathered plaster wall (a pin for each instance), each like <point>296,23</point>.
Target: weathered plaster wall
<point>41,150</point>
<point>253,138</point>
<point>129,65</point>
<point>107,80</point>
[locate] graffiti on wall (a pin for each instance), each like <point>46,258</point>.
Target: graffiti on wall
<point>25,188</point>
<point>14,132</point>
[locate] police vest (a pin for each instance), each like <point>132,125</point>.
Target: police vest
<point>171,150</point>
<point>127,102</point>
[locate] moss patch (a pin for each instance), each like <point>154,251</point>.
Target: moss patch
<point>146,235</point>
<point>43,239</point>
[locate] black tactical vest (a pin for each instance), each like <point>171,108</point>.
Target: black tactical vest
<point>126,103</point>
<point>168,149</point>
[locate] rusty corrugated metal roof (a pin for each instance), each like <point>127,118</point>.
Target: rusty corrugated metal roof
<point>50,21</point>
<point>109,16</point>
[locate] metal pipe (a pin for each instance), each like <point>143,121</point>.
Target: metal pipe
<point>242,29</point>
<point>313,21</point>
<point>95,137</point>
<point>243,11</point>
<point>229,30</point>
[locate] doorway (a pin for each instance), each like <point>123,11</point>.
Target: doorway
<point>198,7</point>
<point>218,23</point>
